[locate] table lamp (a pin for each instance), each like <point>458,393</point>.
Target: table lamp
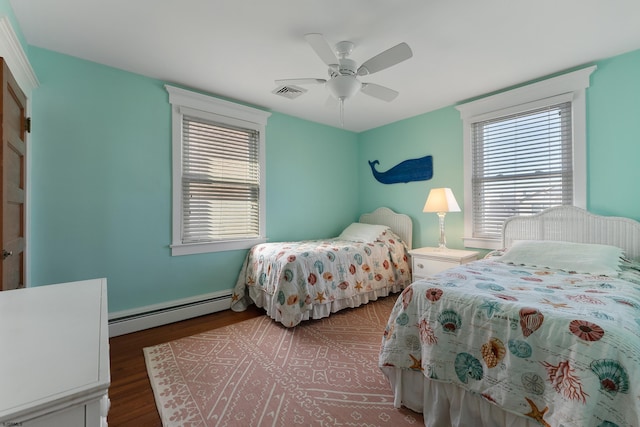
<point>441,201</point>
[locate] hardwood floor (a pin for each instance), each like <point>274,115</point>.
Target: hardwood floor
<point>132,401</point>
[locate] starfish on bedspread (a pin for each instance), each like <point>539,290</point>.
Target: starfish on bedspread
<point>489,307</point>
<point>417,363</point>
<point>555,304</point>
<point>320,297</point>
<point>536,414</point>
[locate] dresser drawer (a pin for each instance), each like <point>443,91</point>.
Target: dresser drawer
<point>427,267</point>
<point>428,261</point>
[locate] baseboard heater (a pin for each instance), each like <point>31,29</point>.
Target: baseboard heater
<point>125,322</point>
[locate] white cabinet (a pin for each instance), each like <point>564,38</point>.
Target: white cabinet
<point>54,362</point>
<point>428,261</point>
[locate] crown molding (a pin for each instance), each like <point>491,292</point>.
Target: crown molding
<point>16,58</point>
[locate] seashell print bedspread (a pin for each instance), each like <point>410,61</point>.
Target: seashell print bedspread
<point>561,348</point>
<point>298,275</point>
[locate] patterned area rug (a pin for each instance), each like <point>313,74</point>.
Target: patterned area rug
<point>259,373</point>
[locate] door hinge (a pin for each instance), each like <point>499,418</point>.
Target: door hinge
<point>27,124</point>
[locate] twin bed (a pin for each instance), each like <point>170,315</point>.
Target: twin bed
<point>545,333</point>
<point>298,281</point>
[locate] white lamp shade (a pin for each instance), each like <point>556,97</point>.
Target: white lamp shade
<point>441,200</point>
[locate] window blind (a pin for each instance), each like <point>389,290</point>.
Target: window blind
<point>221,182</point>
<point>522,164</point>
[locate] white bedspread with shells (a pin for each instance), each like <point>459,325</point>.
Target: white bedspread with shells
<point>299,275</point>
<point>561,348</point>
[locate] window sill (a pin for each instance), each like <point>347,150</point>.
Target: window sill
<point>227,245</point>
<point>471,242</point>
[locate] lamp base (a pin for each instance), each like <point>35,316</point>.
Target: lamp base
<point>442,243</point>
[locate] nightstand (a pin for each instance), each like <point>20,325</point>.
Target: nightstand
<point>429,261</point>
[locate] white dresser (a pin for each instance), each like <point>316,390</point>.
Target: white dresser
<point>54,360</point>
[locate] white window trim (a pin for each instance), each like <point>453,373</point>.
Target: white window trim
<point>572,85</point>
<point>205,106</point>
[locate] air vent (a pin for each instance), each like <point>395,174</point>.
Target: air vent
<point>290,91</point>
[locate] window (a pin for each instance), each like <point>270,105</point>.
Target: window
<point>218,174</point>
<point>522,164</point>
<point>524,152</point>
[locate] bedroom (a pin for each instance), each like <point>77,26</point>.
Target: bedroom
<point>96,212</point>
<point>100,181</point>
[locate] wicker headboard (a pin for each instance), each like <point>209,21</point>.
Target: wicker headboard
<point>571,224</point>
<point>400,224</point>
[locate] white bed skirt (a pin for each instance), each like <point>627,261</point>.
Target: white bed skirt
<point>319,311</point>
<point>445,404</point>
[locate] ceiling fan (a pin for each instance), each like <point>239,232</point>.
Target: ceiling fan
<point>343,82</point>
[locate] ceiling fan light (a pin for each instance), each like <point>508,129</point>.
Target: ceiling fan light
<point>343,87</point>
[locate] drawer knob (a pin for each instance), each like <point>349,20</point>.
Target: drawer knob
<point>420,266</point>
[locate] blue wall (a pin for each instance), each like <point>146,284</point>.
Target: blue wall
<point>613,154</point>
<point>100,176</point>
<point>613,136</point>
<point>101,185</point>
<point>311,181</point>
<point>439,134</point>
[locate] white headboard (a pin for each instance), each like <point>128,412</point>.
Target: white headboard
<point>400,224</point>
<point>571,224</point>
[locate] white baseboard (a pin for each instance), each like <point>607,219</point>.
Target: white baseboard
<point>125,322</point>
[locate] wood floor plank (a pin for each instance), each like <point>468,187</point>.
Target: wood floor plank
<point>132,401</point>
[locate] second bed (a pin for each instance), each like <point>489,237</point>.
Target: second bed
<point>297,281</point>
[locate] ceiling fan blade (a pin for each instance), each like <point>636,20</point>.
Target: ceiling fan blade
<point>380,92</point>
<point>322,48</point>
<point>309,81</point>
<point>392,56</point>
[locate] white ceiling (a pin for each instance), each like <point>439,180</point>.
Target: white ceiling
<point>237,48</point>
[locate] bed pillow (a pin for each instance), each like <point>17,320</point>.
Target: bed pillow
<point>360,232</point>
<point>567,256</point>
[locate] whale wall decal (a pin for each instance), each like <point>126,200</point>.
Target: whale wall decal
<point>410,170</point>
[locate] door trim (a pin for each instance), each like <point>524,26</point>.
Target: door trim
<point>16,59</point>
